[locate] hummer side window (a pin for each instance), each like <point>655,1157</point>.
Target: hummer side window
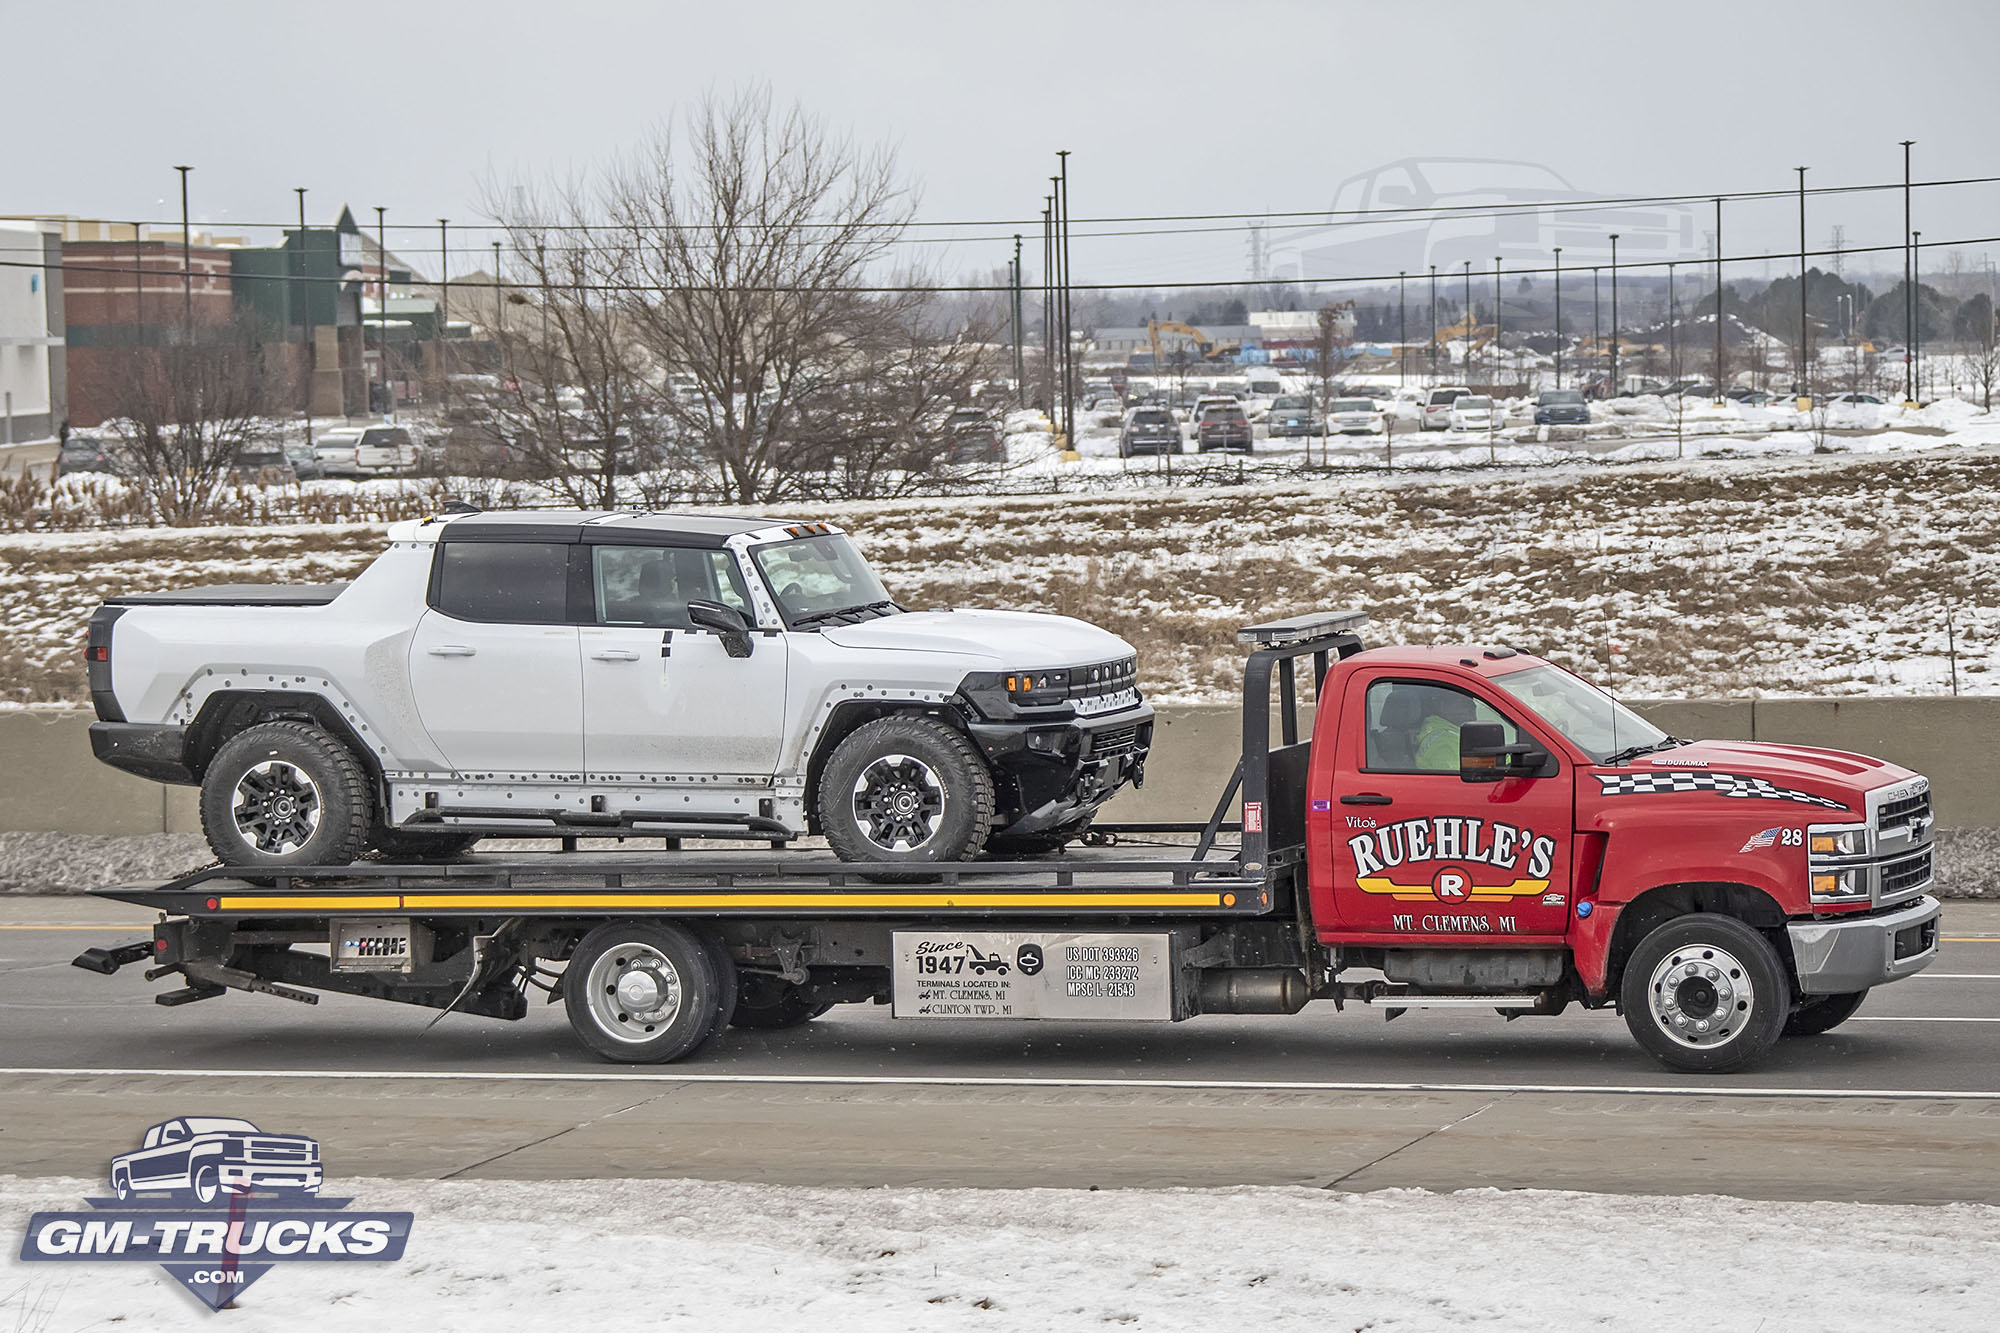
<point>1413,725</point>
<point>652,585</point>
<point>504,583</point>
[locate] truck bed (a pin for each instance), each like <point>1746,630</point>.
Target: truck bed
<point>1094,882</point>
<point>236,594</point>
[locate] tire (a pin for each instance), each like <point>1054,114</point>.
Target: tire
<point>1699,1023</point>
<point>121,1184</point>
<point>407,845</point>
<point>285,794</point>
<point>770,1005</point>
<point>207,1185</point>
<point>906,790</point>
<point>1037,844</point>
<point>728,984</point>
<point>1822,1013</point>
<point>623,965</point>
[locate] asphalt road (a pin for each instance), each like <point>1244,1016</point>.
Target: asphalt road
<point>1901,1104</point>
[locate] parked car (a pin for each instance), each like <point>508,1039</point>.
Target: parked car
<point>1149,430</point>
<point>975,438</point>
<point>1437,406</point>
<point>305,461</point>
<point>204,1155</point>
<point>1561,407</point>
<point>1471,411</point>
<point>386,450</point>
<point>85,453</point>
<point>1355,416</point>
<point>335,450</point>
<point>1223,427</point>
<point>1292,414</point>
<point>263,463</point>
<point>1857,400</point>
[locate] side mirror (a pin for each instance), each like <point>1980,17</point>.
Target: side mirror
<point>1485,756</point>
<point>726,621</point>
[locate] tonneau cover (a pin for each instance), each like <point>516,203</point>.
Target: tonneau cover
<point>236,594</point>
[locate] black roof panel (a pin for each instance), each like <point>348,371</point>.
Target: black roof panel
<point>600,526</point>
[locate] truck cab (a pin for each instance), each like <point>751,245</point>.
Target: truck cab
<point>1483,820</point>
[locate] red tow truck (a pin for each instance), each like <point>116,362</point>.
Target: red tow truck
<point>1459,826</point>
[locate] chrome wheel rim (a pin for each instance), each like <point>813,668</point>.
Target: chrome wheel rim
<point>635,991</point>
<point>1701,996</point>
<point>277,807</point>
<point>898,802</point>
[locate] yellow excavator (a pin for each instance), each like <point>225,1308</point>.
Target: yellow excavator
<point>1210,349</point>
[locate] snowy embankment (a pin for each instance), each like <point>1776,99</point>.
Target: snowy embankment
<point>686,1254</point>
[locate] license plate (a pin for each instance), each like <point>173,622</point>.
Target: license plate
<point>1034,974</point>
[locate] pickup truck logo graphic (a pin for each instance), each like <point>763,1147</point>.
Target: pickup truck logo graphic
<point>205,1157</point>
<point>216,1202</point>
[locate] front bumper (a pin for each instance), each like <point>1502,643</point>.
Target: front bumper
<point>1837,957</point>
<point>1060,772</point>
<point>153,752</point>
<point>252,1175</point>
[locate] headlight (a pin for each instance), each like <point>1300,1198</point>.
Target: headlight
<point>1839,886</point>
<point>1035,688</point>
<point>1837,839</point>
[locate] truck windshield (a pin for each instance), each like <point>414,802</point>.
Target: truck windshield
<point>815,576</point>
<point>1595,722</point>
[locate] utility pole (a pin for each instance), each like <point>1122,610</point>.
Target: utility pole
<point>1613,391</point>
<point>1497,350</point>
<point>1433,349</point>
<point>1559,317</point>
<point>1917,323</point>
<point>1048,303</point>
<point>305,319</point>
<point>1068,332</point>
<point>1720,396</point>
<point>382,315</point>
<point>1020,389</point>
<point>187,262</point>
<point>499,296</point>
<point>1596,323</point>
<point>1909,294</point>
<point>1674,363</point>
<point>1803,388</point>
<point>444,307</point>
<point>1403,331</point>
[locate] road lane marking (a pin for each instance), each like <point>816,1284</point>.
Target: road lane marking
<point>1001,1081</point>
<point>1891,1018</point>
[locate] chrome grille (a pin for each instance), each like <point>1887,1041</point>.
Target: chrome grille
<point>1910,816</point>
<point>1906,875</point>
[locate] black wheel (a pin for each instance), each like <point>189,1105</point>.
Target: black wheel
<point>728,983</point>
<point>1822,1013</point>
<point>641,992</point>
<point>1705,994</point>
<point>771,1005</point>
<point>908,790</point>
<point>409,845</point>
<point>1003,847</point>
<point>285,794</point>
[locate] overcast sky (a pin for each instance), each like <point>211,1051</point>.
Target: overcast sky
<point>1168,108</point>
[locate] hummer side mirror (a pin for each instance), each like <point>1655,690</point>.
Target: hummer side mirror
<point>726,621</point>
<point>1485,756</point>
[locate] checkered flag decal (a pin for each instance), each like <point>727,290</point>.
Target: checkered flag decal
<point>1722,784</point>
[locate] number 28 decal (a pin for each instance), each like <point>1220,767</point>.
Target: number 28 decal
<point>1775,837</point>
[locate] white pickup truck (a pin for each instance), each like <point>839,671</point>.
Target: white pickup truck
<point>577,673</point>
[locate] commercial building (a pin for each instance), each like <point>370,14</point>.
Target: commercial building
<point>34,388</point>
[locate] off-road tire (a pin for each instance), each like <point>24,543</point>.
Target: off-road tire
<point>1822,1013</point>
<point>917,776</point>
<point>297,760</point>
<point>1744,1005</point>
<point>607,1018</point>
<point>404,845</point>
<point>770,1005</point>
<point>1005,847</point>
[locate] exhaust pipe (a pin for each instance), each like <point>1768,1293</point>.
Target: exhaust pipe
<point>1254,990</point>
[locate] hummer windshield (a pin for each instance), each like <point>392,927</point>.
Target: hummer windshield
<point>1595,722</point>
<point>820,578</point>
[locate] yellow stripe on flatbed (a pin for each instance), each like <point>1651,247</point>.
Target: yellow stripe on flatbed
<point>507,902</point>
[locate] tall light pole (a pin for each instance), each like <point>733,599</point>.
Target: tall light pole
<point>305,319</point>
<point>1402,331</point>
<point>1020,389</point>
<point>1433,349</point>
<point>1596,323</point>
<point>1048,300</point>
<point>187,261</point>
<point>1468,323</point>
<point>1917,323</point>
<point>1497,350</point>
<point>1909,293</point>
<point>1068,345</point>
<point>382,313</point>
<point>1613,393</point>
<point>499,297</point>
<point>1559,317</point>
<point>1720,396</point>
<point>1803,388</point>
<point>444,305</point>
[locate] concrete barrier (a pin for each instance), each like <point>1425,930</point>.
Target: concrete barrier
<point>50,782</point>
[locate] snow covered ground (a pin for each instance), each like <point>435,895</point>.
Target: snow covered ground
<point>688,1254</point>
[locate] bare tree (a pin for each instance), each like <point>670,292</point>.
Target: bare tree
<point>1333,334</point>
<point>755,231</point>
<point>1982,368</point>
<point>183,410</point>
